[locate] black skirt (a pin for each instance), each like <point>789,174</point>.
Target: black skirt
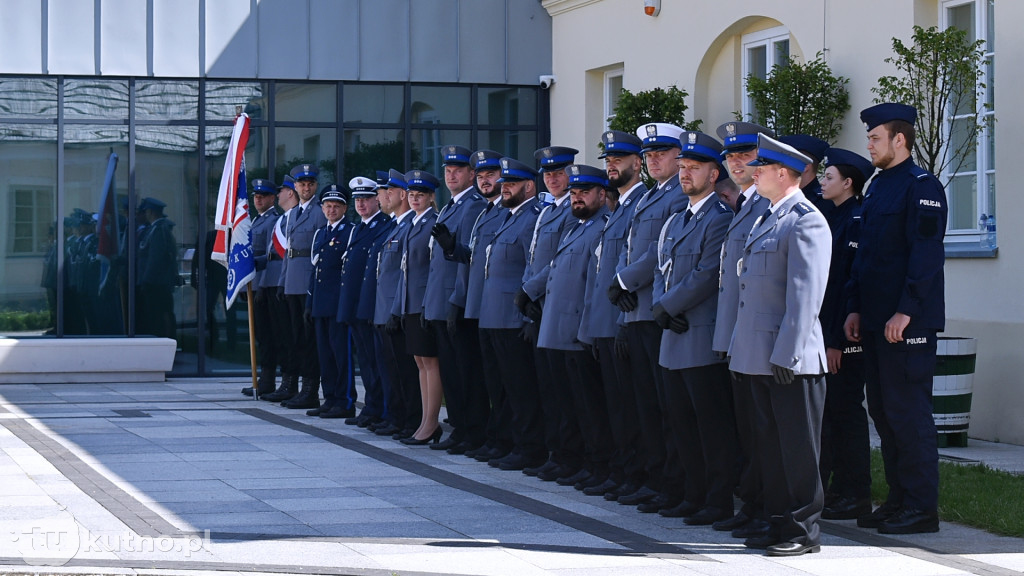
<point>419,341</point>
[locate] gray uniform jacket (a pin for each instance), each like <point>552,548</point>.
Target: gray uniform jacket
<point>547,233</point>
<point>782,281</point>
<point>298,267</point>
<point>686,282</point>
<point>639,259</point>
<point>459,218</point>
<point>415,266</point>
<point>728,284</point>
<point>567,278</point>
<point>469,286</point>
<point>389,268</point>
<point>261,232</point>
<point>504,261</point>
<point>601,317</point>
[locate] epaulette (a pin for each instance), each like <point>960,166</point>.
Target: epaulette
<point>536,208</point>
<point>477,196</point>
<point>802,208</point>
<point>722,208</point>
<point>605,216</point>
<point>919,173</point>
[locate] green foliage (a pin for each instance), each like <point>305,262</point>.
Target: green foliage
<point>23,321</point>
<point>800,98</point>
<point>366,159</point>
<point>940,74</point>
<point>657,105</point>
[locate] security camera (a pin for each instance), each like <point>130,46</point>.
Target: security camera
<point>546,81</point>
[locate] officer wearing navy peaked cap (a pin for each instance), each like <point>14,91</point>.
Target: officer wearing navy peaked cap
<point>896,304</point>
<point>273,281</point>
<point>815,149</point>
<point>157,272</point>
<point>261,229</point>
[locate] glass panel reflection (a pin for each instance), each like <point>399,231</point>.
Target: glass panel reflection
<point>28,98</point>
<point>223,100</point>
<point>166,100</point>
<point>29,244</point>
<point>374,103</point>
<point>306,145</point>
<point>426,153</point>
<point>963,203</point>
<point>506,106</point>
<point>440,105</point>
<point>306,102</point>
<point>93,99</point>
<point>518,144</point>
<point>369,150</point>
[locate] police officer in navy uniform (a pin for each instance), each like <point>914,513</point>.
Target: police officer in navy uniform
<point>469,294</point>
<point>631,289</point>
<point>458,349</point>
<point>562,312</point>
<point>845,462</point>
<point>739,147</point>
<point>897,305</point>
<point>697,392</point>
<point>333,342</point>
<point>599,324</point>
<point>815,149</point>
<point>561,427</point>
<point>363,239</point>
<point>404,409</point>
<point>303,222</point>
<point>157,272</point>
<point>261,230</point>
<point>519,442</point>
<point>273,282</point>
<point>778,345</point>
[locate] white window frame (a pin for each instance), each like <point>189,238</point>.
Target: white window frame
<point>983,175</point>
<point>610,99</point>
<point>761,39</point>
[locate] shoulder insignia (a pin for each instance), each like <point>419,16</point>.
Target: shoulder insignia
<point>802,208</point>
<point>605,217</point>
<point>536,209</point>
<point>722,208</point>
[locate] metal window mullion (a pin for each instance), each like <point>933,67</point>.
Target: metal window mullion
<point>61,301</point>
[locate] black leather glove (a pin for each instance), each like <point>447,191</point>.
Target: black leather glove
<point>279,293</point>
<point>621,345</point>
<point>678,324</point>
<point>782,375</point>
<point>595,352</point>
<point>521,300</point>
<point>627,302</point>
<point>394,324</point>
<point>307,317</point>
<point>533,311</point>
<point>615,291</point>
<point>452,320</point>
<point>444,237</point>
<point>721,355</point>
<point>661,316</point>
<point>529,333</point>
<point>258,296</point>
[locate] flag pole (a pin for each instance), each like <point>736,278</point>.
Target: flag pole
<point>250,302</point>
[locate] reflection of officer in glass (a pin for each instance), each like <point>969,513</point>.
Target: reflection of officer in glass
<point>49,279</point>
<point>157,272</point>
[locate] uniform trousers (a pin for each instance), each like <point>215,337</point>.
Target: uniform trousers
<point>281,326</point>
<point>562,434</point>
<point>304,338</point>
<point>499,419</point>
<point>518,378</point>
<point>845,446</point>
<point>644,348</point>
<point>465,399</point>
<point>789,428</point>
<point>266,340</point>
<point>899,391</point>
<point>405,408</point>
<point>750,488</point>
<point>333,345</point>
<point>623,421</point>
<point>699,402</point>
<point>590,407</point>
<point>369,370</point>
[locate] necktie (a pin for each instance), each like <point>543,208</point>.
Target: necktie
<point>299,215</point>
<point>508,216</point>
<point>767,214</point>
<point>687,216</point>
<point>489,206</point>
<point>739,202</point>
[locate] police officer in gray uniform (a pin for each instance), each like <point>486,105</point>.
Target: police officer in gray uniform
<point>778,344</point>
<point>273,282</point>
<point>501,324</point>
<point>631,290</point>
<point>697,392</point>
<point>458,350</point>
<point>261,230</point>
<point>739,141</point>
<point>303,222</point>
<point>599,324</point>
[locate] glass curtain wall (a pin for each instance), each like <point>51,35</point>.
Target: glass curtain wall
<point>109,187</point>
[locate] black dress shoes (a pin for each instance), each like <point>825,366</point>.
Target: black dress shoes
<point>707,516</point>
<point>463,447</point>
<point>594,480</point>
<point>730,524</point>
<point>369,421</point>
<point>752,529</point>
<point>490,454</point>
<point>413,441</point>
<point>318,411</point>
<point>247,391</point>
<point>791,549</point>
<point>516,462</point>
<point>534,470</point>
<point>875,519</point>
<point>910,521</point>
<point>338,412</point>
<point>555,472</point>
<point>680,510</point>
<point>847,508</point>
<point>388,430</point>
<point>761,542</point>
<point>403,434</point>
<point>639,497</point>
<point>616,493</point>
<point>580,475</point>
<point>448,442</point>
<point>601,489</point>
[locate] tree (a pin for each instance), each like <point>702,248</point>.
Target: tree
<point>940,74</point>
<point>657,105</point>
<point>800,98</point>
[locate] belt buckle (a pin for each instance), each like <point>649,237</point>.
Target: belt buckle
<point>291,252</point>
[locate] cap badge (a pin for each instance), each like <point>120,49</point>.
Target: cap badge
<point>652,130</point>
<point>575,170</point>
<point>548,153</point>
<point>305,167</point>
<point>730,129</point>
<point>692,137</point>
<point>609,136</point>
<point>504,164</point>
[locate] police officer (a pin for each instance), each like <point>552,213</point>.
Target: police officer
<point>697,393</point>
<point>599,324</point>
<point>739,146</point>
<point>563,309</point>
<point>897,305</point>
<point>777,343</point>
<point>303,222</point>
<point>458,350</point>
<point>273,282</point>
<point>261,231</point>
<point>560,424</point>
<point>363,239</point>
<point>845,448</point>
<point>519,441</point>
<point>469,295</point>
<point>631,290</point>
<point>398,370</point>
<point>333,343</point>
<point>157,272</point>
<point>815,149</point>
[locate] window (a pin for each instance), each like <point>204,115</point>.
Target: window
<point>971,188</point>
<point>32,215</point>
<point>612,93</point>
<point>761,51</point>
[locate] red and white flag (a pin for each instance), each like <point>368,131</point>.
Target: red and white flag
<point>279,242</point>
<point>233,245</point>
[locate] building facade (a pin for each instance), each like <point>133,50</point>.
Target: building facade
<point>350,85</point>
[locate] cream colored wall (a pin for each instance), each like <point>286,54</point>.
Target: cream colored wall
<point>696,46</point>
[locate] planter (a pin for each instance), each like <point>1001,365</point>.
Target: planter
<point>952,388</point>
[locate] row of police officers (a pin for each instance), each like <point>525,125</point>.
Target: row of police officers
<point>665,348</point>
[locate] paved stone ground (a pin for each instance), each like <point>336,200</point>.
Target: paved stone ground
<point>188,476</point>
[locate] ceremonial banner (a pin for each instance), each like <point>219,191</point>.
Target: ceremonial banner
<point>233,246</point>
